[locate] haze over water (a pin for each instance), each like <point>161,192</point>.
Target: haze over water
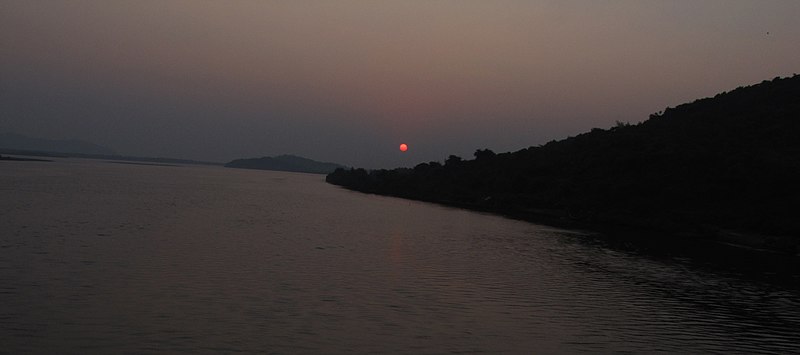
<point>108,258</point>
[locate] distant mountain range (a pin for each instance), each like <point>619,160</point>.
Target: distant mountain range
<point>285,163</point>
<point>12,141</point>
<point>16,144</point>
<point>730,162</point>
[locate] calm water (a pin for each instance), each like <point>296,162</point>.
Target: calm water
<point>111,258</point>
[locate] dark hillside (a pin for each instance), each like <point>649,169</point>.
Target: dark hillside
<point>731,162</point>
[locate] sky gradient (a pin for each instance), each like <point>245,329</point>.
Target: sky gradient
<point>348,81</point>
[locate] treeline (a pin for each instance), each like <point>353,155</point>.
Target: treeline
<point>731,161</point>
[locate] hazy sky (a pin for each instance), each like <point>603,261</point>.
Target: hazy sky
<point>348,81</point>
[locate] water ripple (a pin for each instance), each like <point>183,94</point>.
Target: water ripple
<point>207,259</point>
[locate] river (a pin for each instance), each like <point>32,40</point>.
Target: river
<point>100,257</point>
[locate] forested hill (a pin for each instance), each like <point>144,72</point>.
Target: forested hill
<point>731,161</point>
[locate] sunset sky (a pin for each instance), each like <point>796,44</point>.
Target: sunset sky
<point>348,81</point>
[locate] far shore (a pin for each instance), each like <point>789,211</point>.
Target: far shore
<point>8,158</point>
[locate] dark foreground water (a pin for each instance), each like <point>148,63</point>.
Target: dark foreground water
<point>114,258</point>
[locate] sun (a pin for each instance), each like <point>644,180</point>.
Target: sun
<point>403,147</point>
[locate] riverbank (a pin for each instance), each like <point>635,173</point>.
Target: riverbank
<point>627,228</point>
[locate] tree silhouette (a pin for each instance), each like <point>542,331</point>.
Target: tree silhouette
<point>731,161</point>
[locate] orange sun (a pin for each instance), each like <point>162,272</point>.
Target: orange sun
<point>403,147</point>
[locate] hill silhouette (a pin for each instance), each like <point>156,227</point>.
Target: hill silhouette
<point>285,163</point>
<point>13,141</point>
<point>729,162</point>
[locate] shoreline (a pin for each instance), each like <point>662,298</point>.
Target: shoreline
<point>623,229</point>
<point>8,158</point>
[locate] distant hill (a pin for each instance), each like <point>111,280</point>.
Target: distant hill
<point>285,163</point>
<point>12,141</point>
<point>730,162</point>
